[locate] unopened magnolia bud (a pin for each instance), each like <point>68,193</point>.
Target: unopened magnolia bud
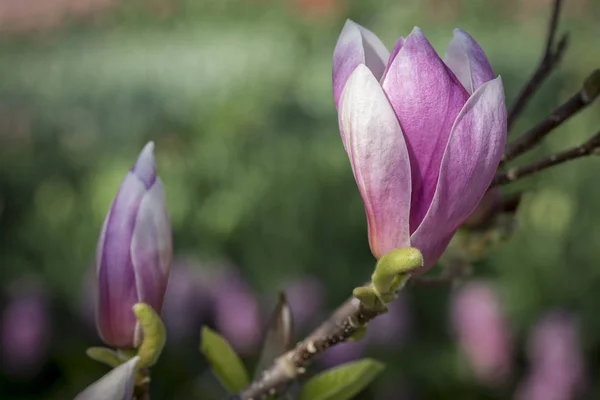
<point>133,257</point>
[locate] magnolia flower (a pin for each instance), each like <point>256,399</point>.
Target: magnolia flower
<point>133,257</point>
<point>424,136</point>
<point>118,384</point>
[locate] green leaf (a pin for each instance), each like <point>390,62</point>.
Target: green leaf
<point>104,356</point>
<point>225,363</point>
<point>343,382</point>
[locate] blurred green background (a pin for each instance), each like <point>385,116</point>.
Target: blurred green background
<point>237,96</point>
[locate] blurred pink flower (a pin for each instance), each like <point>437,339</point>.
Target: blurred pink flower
<point>393,328</point>
<point>557,366</point>
<point>306,298</point>
<point>343,353</point>
<point>237,311</point>
<point>187,304</point>
<point>482,331</point>
<point>22,15</point>
<point>25,329</point>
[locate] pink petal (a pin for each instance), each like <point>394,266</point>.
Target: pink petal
<point>151,247</point>
<point>395,51</point>
<point>379,160</point>
<point>144,167</point>
<point>426,97</point>
<point>468,61</point>
<point>116,278</point>
<point>470,161</point>
<point>356,45</point>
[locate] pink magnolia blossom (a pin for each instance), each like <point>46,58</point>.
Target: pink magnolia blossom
<point>424,135</point>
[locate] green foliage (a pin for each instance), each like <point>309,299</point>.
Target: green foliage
<point>225,363</point>
<point>343,382</point>
<point>237,96</point>
<point>105,356</point>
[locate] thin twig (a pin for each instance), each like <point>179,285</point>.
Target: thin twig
<point>142,392</point>
<point>346,320</point>
<point>582,99</point>
<point>512,174</point>
<point>549,61</point>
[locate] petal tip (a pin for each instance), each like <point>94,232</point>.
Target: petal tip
<point>416,36</point>
<point>144,167</point>
<point>417,31</point>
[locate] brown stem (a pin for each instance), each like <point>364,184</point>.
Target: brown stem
<point>344,322</point>
<point>512,174</point>
<point>583,98</point>
<point>142,391</point>
<point>549,61</point>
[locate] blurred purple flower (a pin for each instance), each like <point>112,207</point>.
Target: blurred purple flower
<point>187,304</point>
<point>393,328</point>
<point>237,311</point>
<point>133,257</point>
<point>557,366</point>
<point>343,353</point>
<point>306,298</point>
<point>482,331</point>
<point>25,330</point>
<point>424,135</point>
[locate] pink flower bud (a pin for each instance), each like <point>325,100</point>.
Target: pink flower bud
<point>424,135</point>
<point>133,257</point>
<point>482,332</point>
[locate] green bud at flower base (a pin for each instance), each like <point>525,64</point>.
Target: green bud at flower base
<point>391,273</point>
<point>393,270</point>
